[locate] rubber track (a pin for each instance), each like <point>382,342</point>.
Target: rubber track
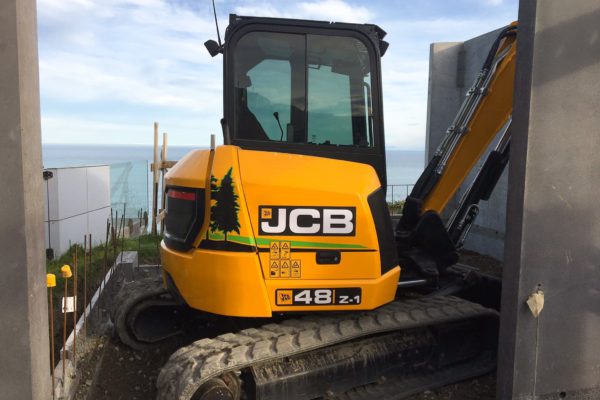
<point>130,295</point>
<point>189,367</point>
<point>398,388</point>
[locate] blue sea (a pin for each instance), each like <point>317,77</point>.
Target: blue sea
<point>131,178</point>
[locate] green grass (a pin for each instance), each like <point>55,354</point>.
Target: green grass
<point>148,253</point>
<point>148,247</point>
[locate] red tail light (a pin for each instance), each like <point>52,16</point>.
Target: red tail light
<point>181,195</point>
<point>184,216</point>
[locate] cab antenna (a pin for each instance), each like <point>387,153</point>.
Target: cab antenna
<point>216,22</point>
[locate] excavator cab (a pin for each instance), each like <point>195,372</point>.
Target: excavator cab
<point>305,87</point>
<point>289,215</point>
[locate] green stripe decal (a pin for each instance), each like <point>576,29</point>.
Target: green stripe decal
<point>232,238</point>
<point>295,243</point>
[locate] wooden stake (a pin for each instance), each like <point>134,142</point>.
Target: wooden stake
<point>140,213</point>
<point>104,267</point>
<point>64,352</point>
<point>122,236</point>
<point>66,273</point>
<point>115,235</point>
<point>124,212</point>
<point>85,259</point>
<point>75,267</point>
<point>52,340</point>
<point>163,170</point>
<point>155,180</point>
<point>65,329</point>
<point>91,271</point>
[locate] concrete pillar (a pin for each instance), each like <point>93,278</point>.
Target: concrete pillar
<point>24,359</point>
<point>553,224</point>
<point>453,67</point>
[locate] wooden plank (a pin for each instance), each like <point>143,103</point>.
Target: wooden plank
<point>163,158</point>
<point>163,165</point>
<point>155,181</point>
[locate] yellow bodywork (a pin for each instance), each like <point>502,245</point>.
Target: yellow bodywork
<point>493,113</point>
<point>243,280</point>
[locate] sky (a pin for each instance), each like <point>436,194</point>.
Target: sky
<point>110,68</point>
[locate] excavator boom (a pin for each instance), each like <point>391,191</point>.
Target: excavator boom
<point>426,242</point>
<point>487,109</point>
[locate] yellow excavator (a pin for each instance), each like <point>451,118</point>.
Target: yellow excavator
<point>284,233</point>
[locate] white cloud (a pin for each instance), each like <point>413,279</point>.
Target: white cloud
<point>124,54</point>
<point>110,66</point>
<point>87,79</point>
<point>327,10</point>
<point>405,69</point>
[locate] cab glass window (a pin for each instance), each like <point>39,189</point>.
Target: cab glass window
<point>297,88</point>
<point>270,93</point>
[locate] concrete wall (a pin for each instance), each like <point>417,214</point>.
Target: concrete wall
<point>452,69</point>
<point>24,359</point>
<point>553,225</point>
<point>77,203</point>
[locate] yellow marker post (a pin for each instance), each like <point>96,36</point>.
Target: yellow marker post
<point>85,259</point>
<point>66,273</point>
<point>75,282</point>
<point>50,283</point>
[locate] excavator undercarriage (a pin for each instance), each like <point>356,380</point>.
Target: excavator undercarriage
<point>419,342</point>
<point>283,235</point>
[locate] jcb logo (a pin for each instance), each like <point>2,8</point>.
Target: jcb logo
<point>307,221</point>
<point>284,297</point>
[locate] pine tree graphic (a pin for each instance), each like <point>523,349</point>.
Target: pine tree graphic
<point>224,213</point>
<point>214,192</point>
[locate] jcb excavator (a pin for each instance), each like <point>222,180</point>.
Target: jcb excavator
<point>288,220</point>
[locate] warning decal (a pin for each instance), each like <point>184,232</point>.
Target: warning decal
<point>280,263</point>
<point>274,269</point>
<point>284,250</point>
<point>285,269</point>
<point>274,251</point>
<point>295,269</point>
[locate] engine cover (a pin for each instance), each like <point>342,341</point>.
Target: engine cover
<point>282,232</point>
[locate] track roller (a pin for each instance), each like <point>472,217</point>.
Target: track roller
<point>226,387</point>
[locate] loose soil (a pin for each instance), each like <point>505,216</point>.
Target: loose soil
<point>486,264</point>
<point>123,373</point>
<point>482,388</point>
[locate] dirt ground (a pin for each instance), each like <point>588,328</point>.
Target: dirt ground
<point>482,388</point>
<point>123,373</point>
<point>485,264</point>
<point>114,371</point>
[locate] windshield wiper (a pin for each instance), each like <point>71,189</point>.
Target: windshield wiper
<point>276,115</point>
